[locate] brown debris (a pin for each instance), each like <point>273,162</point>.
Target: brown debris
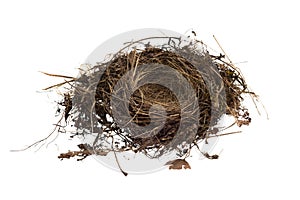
<point>82,153</point>
<point>178,164</point>
<point>85,151</point>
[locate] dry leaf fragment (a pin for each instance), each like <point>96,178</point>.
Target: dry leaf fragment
<point>178,164</point>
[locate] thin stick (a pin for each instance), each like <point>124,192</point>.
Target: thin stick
<point>59,84</point>
<point>57,75</point>
<point>125,173</point>
<point>222,48</point>
<point>225,134</point>
<point>42,140</point>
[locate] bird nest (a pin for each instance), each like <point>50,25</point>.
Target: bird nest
<point>117,99</point>
<point>154,99</point>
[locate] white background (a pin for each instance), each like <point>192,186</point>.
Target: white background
<point>57,36</point>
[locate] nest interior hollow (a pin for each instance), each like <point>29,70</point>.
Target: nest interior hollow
<point>153,94</point>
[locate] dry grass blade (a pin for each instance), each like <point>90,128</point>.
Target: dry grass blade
<point>59,76</point>
<point>58,85</point>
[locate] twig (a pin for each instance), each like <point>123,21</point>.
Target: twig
<point>59,84</point>
<point>224,134</point>
<point>125,173</point>
<point>213,157</point>
<point>222,48</point>
<point>42,140</point>
<point>57,75</point>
